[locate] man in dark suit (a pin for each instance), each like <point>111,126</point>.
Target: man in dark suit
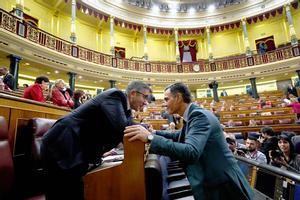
<point>292,90</point>
<point>8,78</point>
<point>224,93</point>
<point>80,138</point>
<point>201,146</point>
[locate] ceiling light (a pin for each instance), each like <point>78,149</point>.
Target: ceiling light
<point>48,72</point>
<point>56,71</point>
<point>27,64</point>
<point>80,77</point>
<point>211,8</point>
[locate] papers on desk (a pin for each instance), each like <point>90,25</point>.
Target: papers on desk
<point>114,158</point>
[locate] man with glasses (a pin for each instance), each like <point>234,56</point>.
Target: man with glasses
<point>209,164</point>
<point>80,138</point>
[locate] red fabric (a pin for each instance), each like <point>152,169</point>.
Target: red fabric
<point>34,92</point>
<point>295,106</point>
<point>59,99</point>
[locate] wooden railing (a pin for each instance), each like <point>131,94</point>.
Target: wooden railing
<point>33,34</point>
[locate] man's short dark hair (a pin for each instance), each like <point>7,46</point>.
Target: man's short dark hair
<point>182,89</point>
<point>137,86</point>
<point>267,130</point>
<point>39,79</point>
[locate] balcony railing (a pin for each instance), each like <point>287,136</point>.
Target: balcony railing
<point>17,26</point>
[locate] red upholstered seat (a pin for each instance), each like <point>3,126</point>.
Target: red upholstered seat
<point>267,122</point>
<point>6,162</point>
<point>285,121</point>
<point>238,123</point>
<point>279,112</point>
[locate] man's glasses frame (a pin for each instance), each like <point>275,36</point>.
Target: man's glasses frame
<point>144,95</point>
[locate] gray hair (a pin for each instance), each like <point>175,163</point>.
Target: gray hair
<point>137,86</point>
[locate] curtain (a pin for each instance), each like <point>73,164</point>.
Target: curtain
<point>192,49</point>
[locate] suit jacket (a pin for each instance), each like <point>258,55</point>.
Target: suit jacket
<point>9,81</point>
<point>85,134</point>
<point>60,99</point>
<point>204,151</point>
<point>34,92</point>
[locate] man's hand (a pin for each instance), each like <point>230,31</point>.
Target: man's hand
<point>136,132</point>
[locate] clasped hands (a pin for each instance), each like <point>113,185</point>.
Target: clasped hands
<point>136,132</point>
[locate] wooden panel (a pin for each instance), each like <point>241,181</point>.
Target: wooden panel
<point>5,113</point>
<point>24,108</point>
<point>125,181</point>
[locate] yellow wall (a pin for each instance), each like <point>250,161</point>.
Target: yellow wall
<point>160,47</point>
<point>226,43</point>
<point>275,27</point>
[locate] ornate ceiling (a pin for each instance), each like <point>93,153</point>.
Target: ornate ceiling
<point>177,13</point>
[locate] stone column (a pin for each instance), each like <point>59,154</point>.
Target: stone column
<point>177,45</point>
<point>73,37</point>
<point>112,36</point>
<point>145,43</point>
<point>298,73</point>
<point>14,68</point>
<point>294,40</point>
<point>112,83</point>
<point>210,54</point>
<point>253,87</point>
<point>19,8</point>
<point>72,79</point>
<point>246,40</point>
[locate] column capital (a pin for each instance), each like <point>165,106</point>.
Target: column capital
<point>17,58</point>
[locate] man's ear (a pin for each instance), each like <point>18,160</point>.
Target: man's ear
<point>178,97</point>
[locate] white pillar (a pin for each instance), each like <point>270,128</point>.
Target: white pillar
<point>112,36</point>
<point>210,54</point>
<point>145,43</point>
<point>73,37</point>
<point>177,45</point>
<point>294,40</point>
<point>246,39</point>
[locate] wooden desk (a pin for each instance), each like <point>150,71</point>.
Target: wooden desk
<point>122,181</point>
<point>276,127</point>
<point>12,108</point>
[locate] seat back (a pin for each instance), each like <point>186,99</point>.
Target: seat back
<point>285,121</point>
<point>28,165</point>
<point>267,122</point>
<point>38,127</point>
<point>6,162</point>
<point>296,142</point>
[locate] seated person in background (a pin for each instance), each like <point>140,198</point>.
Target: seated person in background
<point>224,93</point>
<point>252,122</point>
<point>230,123</point>
<point>231,108</point>
<point>233,144</point>
<point>8,78</point>
<point>252,152</point>
<point>262,103</point>
<point>78,98</point>
<point>295,106</point>
<point>268,141</point>
<point>60,95</point>
<point>35,91</point>
<point>172,127</point>
<point>2,85</point>
<point>285,157</point>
